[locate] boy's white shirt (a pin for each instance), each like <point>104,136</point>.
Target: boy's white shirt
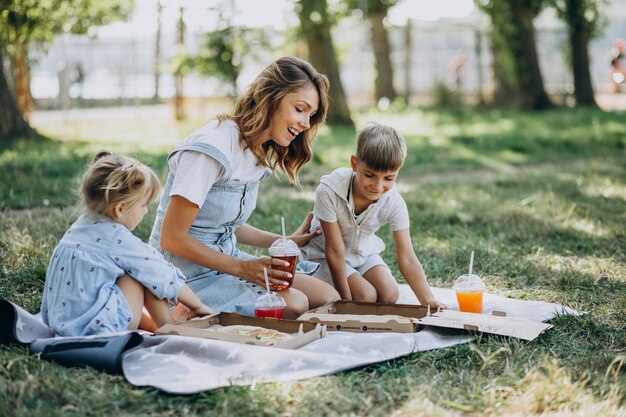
<point>332,204</point>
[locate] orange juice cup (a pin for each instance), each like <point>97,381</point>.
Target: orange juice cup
<point>469,293</point>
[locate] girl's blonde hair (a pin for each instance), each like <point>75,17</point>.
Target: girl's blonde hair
<point>113,179</point>
<point>254,109</point>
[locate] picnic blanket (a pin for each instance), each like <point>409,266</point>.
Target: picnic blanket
<point>185,365</point>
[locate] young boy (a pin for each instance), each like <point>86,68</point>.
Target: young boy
<point>350,206</point>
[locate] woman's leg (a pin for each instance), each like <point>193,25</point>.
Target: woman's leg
<point>386,286</point>
<point>361,289</point>
<point>317,291</point>
<point>297,303</point>
<point>134,293</point>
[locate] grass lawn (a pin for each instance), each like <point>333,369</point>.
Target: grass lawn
<point>540,197</point>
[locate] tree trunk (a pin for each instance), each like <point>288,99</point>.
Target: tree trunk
<point>382,52</point>
<point>322,56</point>
<point>21,75</point>
<point>533,95</point>
<point>579,44</point>
<point>12,122</point>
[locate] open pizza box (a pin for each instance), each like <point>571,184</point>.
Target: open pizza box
<point>360,317</point>
<point>286,334</point>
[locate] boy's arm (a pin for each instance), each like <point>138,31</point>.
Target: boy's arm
<point>411,269</point>
<point>335,256</point>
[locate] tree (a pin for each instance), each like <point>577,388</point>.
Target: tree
<point>582,19</point>
<point>513,39</point>
<point>376,11</point>
<point>12,122</point>
<point>315,25</point>
<point>25,21</point>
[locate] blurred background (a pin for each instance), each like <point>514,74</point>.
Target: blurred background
<point>189,54</point>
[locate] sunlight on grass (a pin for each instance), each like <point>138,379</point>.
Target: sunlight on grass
<point>599,267</point>
<point>552,392</point>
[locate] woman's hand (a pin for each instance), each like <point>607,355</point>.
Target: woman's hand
<point>252,271</point>
<point>302,236</point>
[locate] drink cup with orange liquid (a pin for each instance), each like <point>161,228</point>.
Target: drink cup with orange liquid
<point>469,290</point>
<point>286,250</point>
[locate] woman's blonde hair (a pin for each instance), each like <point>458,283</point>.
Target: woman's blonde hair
<point>254,110</point>
<point>113,179</point>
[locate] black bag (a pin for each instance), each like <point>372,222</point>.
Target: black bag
<point>103,353</point>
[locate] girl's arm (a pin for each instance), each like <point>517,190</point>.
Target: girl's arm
<point>411,269</point>
<point>335,256</point>
<point>175,238</point>
<point>189,299</point>
<point>249,235</point>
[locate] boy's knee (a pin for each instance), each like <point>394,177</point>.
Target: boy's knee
<point>389,295</point>
<point>367,294</point>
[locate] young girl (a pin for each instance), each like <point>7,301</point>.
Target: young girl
<point>100,275</point>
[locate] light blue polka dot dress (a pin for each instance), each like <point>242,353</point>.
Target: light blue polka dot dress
<point>80,295</point>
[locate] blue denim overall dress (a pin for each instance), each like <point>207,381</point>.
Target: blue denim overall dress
<point>228,205</point>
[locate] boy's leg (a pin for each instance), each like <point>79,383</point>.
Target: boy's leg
<point>134,293</point>
<point>317,291</point>
<point>361,289</point>
<point>385,284</point>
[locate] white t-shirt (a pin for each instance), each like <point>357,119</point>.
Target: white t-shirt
<point>195,172</point>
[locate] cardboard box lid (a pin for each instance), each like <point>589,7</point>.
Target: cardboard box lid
<point>302,332</point>
<point>360,316</point>
<point>496,323</point>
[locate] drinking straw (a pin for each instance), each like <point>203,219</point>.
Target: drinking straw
<point>282,222</point>
<point>267,280</point>
<point>471,262</point>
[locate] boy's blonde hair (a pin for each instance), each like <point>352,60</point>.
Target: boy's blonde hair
<point>381,147</point>
<point>113,179</point>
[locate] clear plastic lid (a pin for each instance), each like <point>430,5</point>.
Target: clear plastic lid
<point>269,300</point>
<point>469,283</point>
<point>284,247</point>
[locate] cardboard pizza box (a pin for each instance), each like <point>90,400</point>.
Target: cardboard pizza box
<point>301,332</point>
<point>359,317</point>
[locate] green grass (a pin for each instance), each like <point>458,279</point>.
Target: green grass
<point>540,197</point>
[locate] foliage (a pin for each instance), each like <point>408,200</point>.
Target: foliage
<point>23,21</point>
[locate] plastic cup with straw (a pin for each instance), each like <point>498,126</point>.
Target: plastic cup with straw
<point>469,290</point>
<point>269,304</point>
<point>287,251</point>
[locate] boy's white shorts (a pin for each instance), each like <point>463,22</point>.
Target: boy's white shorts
<point>370,262</point>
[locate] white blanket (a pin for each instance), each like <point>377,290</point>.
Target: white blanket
<point>185,365</point>
<point>179,364</point>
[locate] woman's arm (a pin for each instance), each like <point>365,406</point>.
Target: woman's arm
<point>411,269</point>
<point>335,256</point>
<point>179,216</point>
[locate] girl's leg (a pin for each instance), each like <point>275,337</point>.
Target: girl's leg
<point>134,293</point>
<point>386,286</point>
<point>361,289</point>
<point>317,291</point>
<point>297,303</point>
<point>159,309</point>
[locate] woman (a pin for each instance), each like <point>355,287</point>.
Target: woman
<point>212,187</point>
